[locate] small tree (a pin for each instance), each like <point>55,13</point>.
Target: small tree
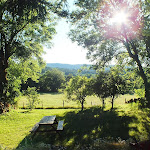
<point>100,87</point>
<point>115,85</point>
<point>32,96</point>
<point>77,89</point>
<point>109,84</point>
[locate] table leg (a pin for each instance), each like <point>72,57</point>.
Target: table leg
<point>35,131</point>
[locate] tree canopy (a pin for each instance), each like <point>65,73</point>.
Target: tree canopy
<point>99,86</point>
<point>96,28</point>
<point>78,89</point>
<point>51,81</point>
<point>24,27</point>
<point>108,84</point>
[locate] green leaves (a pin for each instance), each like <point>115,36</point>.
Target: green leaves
<point>25,26</point>
<point>78,88</point>
<point>32,96</point>
<point>51,81</point>
<point>106,39</point>
<point>108,84</point>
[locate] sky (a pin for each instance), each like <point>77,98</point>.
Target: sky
<point>63,49</point>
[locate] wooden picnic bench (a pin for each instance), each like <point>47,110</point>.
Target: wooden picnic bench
<point>49,122</point>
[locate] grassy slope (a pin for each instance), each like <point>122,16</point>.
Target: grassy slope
<point>15,126</point>
<point>80,127</point>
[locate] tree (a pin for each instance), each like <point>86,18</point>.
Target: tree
<point>32,96</point>
<point>29,83</point>
<point>99,87</point>
<point>109,84</point>
<point>24,28</point>
<point>116,85</point>
<point>78,89</point>
<point>98,30</point>
<point>51,81</point>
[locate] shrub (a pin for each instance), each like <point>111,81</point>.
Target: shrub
<point>32,96</point>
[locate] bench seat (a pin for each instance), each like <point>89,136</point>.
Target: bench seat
<point>60,125</point>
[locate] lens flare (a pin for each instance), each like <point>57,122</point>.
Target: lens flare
<point>119,18</point>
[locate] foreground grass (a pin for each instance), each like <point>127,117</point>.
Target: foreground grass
<point>15,125</point>
<point>92,128</point>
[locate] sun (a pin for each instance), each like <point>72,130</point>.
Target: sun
<point>119,18</point>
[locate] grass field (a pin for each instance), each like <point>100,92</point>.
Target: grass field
<point>89,128</point>
<point>56,100</point>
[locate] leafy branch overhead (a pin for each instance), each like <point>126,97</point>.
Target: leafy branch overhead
<point>25,26</point>
<point>112,28</point>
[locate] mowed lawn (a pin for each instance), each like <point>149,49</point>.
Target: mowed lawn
<point>15,125</point>
<point>80,128</point>
<point>58,100</point>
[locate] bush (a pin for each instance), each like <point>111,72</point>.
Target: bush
<point>32,96</point>
<point>51,81</point>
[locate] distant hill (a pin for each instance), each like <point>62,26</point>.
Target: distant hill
<point>65,66</point>
<point>71,68</point>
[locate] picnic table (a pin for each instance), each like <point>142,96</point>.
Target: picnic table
<point>49,124</point>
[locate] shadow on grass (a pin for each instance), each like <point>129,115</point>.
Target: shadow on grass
<point>84,127</point>
<point>26,111</point>
<point>52,93</point>
<point>146,127</point>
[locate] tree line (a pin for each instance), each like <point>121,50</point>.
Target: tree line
<point>103,84</point>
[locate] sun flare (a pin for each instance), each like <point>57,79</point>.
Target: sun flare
<point>119,18</point>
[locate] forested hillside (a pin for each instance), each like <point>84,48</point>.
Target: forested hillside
<point>66,66</point>
<point>70,68</point>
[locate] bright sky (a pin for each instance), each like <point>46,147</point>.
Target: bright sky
<point>63,50</point>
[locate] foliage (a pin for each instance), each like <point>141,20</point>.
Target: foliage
<point>106,40</point>
<point>51,81</point>
<point>139,92</point>
<point>78,89</point>
<point>130,74</point>
<point>109,84</point>
<point>71,70</point>
<point>32,96</point>
<point>24,29</point>
<point>100,87</point>
<point>115,85</point>
<point>18,73</point>
<point>2,148</point>
<point>30,83</point>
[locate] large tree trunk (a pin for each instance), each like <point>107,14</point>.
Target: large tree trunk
<point>146,84</point>
<point>140,68</point>
<point>3,73</point>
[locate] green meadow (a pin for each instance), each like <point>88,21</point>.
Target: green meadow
<point>93,128</point>
<point>58,100</point>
